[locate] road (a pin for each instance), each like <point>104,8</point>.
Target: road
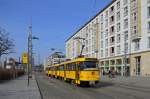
<point>56,89</point>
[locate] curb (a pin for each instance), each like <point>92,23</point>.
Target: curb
<point>39,88</point>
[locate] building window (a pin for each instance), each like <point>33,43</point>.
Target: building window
<point>138,65</point>
<point>112,40</point>
<point>126,47</point>
<point>126,11</point>
<point>106,23</point>
<point>118,49</point>
<point>118,16</point>
<point>101,26</point>
<point>106,52</point>
<point>137,45</point>
<point>148,11</point>
<point>148,27</point>
<point>86,35</point>
<point>112,62</point>
<point>102,18</point>
<point>93,48</point>
<point>126,35</point>
<point>148,42</point>
<point>112,9</point>
<point>106,34</point>
<point>101,35</point>
<point>134,30</point>
<point>106,14</point>
<point>101,53</point>
<point>112,19</point>
<point>125,2</point>
<point>135,16</point>
<point>102,44</point>
<point>112,51</point>
<point>118,27</point>
<point>118,38</point>
<point>125,23</point>
<point>106,42</point>
<point>112,30</point>
<point>86,42</point>
<point>118,5</point>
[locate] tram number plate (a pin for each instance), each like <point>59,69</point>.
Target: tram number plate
<point>92,82</point>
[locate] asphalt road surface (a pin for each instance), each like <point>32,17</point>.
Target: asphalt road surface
<point>57,89</point>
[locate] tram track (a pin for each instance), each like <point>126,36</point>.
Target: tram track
<point>131,87</point>
<point>140,89</point>
<point>103,90</point>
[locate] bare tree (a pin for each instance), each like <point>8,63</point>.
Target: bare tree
<point>6,44</point>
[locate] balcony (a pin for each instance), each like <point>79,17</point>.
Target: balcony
<point>111,11</point>
<point>112,54</point>
<point>112,43</point>
<point>135,36</point>
<point>112,33</point>
<point>134,5</point>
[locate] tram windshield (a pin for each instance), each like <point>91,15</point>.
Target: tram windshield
<point>88,65</point>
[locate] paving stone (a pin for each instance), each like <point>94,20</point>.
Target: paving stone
<point>18,89</point>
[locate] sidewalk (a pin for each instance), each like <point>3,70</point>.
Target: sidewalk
<point>18,89</point>
<point>134,81</point>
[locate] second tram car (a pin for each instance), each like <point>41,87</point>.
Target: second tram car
<point>78,71</point>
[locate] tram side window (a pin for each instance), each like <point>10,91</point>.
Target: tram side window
<point>57,68</point>
<point>52,68</point>
<point>70,66</point>
<point>81,66</point>
<point>67,67</point>
<point>61,67</point>
<point>74,66</point>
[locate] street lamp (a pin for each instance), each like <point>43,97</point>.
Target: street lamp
<point>30,45</point>
<point>35,38</point>
<point>82,45</point>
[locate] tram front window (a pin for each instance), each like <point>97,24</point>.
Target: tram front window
<point>88,65</point>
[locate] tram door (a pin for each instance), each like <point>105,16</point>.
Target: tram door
<point>77,71</point>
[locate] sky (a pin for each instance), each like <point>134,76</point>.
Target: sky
<point>53,21</point>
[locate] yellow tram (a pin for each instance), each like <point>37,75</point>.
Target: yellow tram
<point>78,71</point>
<point>47,70</point>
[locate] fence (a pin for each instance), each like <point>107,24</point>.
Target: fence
<point>8,74</point>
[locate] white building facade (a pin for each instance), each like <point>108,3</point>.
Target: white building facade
<point>119,36</point>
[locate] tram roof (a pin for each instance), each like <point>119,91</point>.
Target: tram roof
<point>81,59</point>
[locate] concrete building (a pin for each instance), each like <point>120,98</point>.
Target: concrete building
<point>55,58</point>
<point>119,36</point>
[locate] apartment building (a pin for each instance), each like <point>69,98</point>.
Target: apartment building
<point>119,36</point>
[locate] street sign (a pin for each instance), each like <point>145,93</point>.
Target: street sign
<point>25,58</point>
